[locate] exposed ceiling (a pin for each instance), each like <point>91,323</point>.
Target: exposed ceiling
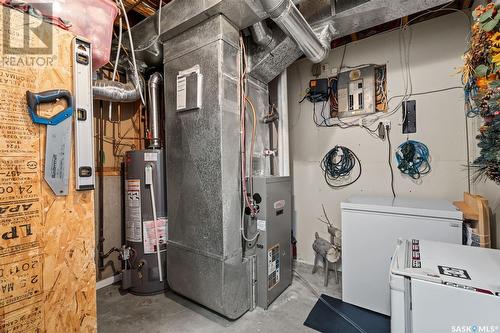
<point>415,18</point>
<point>138,10</point>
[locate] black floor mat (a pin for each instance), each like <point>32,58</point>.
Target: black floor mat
<point>326,320</point>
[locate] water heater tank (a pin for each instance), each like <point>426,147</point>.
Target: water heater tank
<point>142,276</point>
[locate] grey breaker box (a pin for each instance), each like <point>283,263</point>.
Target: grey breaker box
<point>356,92</point>
<point>274,223</point>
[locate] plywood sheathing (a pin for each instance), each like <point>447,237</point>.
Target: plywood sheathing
<point>47,270</point>
<point>476,210</point>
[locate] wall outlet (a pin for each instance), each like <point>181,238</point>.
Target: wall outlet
<point>387,124</point>
<point>328,70</point>
<point>325,68</point>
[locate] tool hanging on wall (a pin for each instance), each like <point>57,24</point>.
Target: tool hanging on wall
<point>58,144</point>
<point>413,159</point>
<point>84,130</point>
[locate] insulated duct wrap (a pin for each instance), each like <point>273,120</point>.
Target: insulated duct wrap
<point>118,92</point>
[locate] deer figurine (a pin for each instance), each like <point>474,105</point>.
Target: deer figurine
<point>328,252</point>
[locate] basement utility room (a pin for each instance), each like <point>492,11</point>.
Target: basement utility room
<point>241,166</point>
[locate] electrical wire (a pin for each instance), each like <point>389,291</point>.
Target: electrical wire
<point>243,131</point>
<point>131,41</point>
<point>405,39</point>
<point>413,159</point>
<point>338,165</point>
<point>404,53</point>
<point>324,122</point>
<point>468,153</point>
<point>157,37</point>
<point>252,142</point>
<point>244,101</point>
<point>370,121</point>
<point>388,133</point>
<point>115,67</point>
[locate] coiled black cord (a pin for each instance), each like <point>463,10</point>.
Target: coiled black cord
<point>413,159</point>
<point>338,165</point>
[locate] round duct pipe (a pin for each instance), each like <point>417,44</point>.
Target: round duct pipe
<point>292,22</point>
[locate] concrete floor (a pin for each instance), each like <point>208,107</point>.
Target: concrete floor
<point>172,313</point>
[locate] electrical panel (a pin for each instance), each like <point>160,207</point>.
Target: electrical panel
<point>356,92</point>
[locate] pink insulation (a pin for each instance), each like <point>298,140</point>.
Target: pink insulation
<point>90,19</point>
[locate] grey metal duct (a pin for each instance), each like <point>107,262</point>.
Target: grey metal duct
<point>204,248</point>
<point>292,22</point>
<point>351,16</point>
<point>113,91</point>
<point>261,34</point>
<point>154,100</point>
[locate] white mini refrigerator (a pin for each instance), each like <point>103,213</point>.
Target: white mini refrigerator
<point>440,287</point>
<point>371,227</point>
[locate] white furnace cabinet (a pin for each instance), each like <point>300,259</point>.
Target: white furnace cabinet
<point>371,227</point>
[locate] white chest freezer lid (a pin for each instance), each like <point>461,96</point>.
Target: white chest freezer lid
<point>404,206</point>
<point>461,266</point>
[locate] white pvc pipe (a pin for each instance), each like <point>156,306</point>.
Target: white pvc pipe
<point>283,132</point>
<point>149,173</point>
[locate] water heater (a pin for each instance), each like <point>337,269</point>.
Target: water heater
<point>145,272</point>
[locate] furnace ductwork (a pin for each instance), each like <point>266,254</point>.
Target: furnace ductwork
<point>261,34</point>
<point>113,91</point>
<point>154,99</point>
<point>291,21</point>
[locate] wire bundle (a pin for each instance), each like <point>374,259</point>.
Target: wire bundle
<point>338,164</point>
<point>413,159</point>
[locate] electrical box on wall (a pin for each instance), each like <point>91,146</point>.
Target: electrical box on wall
<point>409,117</point>
<point>356,92</point>
<point>319,90</point>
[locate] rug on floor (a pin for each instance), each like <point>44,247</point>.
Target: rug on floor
<point>341,317</point>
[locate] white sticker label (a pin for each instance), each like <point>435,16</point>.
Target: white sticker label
<point>150,235</point>
<point>261,225</point>
<point>279,204</point>
<point>133,230</point>
<point>181,92</point>
<point>150,157</point>
<point>342,98</point>
<point>273,266</point>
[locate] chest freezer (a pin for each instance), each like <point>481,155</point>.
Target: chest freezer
<point>439,287</point>
<point>371,227</point>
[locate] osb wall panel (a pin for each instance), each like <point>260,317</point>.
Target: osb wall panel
<point>47,270</point>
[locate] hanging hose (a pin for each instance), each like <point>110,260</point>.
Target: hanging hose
<point>413,159</point>
<point>338,165</point>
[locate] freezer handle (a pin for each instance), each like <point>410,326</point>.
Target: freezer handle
<point>397,265</point>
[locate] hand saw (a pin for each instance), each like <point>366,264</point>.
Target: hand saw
<point>58,143</point>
